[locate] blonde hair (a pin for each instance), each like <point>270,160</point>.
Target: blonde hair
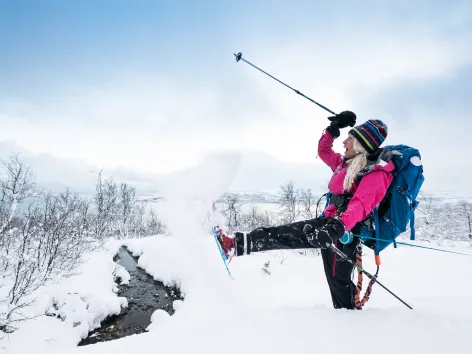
<point>355,165</point>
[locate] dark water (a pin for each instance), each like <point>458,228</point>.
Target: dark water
<point>144,294</point>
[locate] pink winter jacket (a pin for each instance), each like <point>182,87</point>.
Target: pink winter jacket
<point>366,196</point>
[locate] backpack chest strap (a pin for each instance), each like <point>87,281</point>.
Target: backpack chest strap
<point>340,201</point>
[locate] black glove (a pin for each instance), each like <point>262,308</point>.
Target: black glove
<point>341,120</point>
<point>333,130</point>
<point>311,235</point>
<point>326,235</point>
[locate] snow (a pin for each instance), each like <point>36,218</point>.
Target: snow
<point>177,304</point>
<point>278,302</point>
<point>75,306</point>
<point>288,310</point>
<point>158,319</point>
<point>121,273</point>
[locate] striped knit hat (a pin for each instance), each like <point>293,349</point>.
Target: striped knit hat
<point>371,134</point>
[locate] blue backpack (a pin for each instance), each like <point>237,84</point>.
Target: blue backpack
<point>397,209</point>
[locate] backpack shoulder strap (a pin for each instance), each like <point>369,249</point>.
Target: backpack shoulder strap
<point>372,160</point>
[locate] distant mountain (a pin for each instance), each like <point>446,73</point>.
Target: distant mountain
<point>254,175</point>
<point>253,198</point>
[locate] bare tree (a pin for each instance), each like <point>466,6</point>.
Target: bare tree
<point>288,202</point>
<point>138,224</point>
<point>49,241</point>
<point>447,221</point>
<point>106,198</point>
<point>43,235</point>
<point>17,183</point>
<point>426,207</point>
<point>307,203</point>
<point>466,211</point>
<point>255,219</point>
<point>153,225</point>
<point>232,212</point>
<point>127,203</point>
<point>129,217</point>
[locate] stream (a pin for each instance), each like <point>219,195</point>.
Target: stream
<point>145,295</point>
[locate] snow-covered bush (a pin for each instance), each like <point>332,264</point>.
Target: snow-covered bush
<point>438,219</point>
<point>43,235</point>
<point>232,212</point>
<point>297,204</point>
<point>289,198</point>
<point>118,213</point>
<point>46,241</point>
<point>255,218</point>
<point>307,204</point>
<point>153,225</point>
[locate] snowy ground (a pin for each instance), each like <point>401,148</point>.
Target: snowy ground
<point>82,301</point>
<point>287,311</point>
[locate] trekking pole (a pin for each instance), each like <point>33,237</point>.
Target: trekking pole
<point>418,246</point>
<point>239,57</point>
<point>370,276</point>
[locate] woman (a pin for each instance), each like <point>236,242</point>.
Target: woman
<point>360,180</point>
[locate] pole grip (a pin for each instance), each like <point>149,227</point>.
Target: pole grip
<point>377,260</point>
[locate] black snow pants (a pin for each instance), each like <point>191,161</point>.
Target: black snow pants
<point>291,236</point>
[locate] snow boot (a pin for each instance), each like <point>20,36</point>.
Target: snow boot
<point>226,243</point>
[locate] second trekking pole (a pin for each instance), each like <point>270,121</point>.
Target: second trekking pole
<point>370,276</point>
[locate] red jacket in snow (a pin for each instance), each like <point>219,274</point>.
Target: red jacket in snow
<point>365,196</point>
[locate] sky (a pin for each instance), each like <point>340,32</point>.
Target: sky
<point>151,87</point>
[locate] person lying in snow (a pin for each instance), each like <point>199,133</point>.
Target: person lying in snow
<point>361,177</point>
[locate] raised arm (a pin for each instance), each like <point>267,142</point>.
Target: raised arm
<point>325,145</point>
<point>326,153</point>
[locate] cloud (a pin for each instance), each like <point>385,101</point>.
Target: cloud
<point>141,125</point>
<point>215,174</point>
<point>57,174</point>
<point>449,93</point>
<point>155,113</point>
<point>433,115</point>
